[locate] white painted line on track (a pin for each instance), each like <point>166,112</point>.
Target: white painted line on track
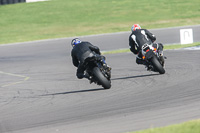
<point>192,48</point>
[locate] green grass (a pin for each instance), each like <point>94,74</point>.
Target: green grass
<point>66,18</point>
<point>187,127</point>
<point>175,46</point>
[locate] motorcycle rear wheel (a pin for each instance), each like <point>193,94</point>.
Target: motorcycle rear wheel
<point>101,79</point>
<point>156,64</point>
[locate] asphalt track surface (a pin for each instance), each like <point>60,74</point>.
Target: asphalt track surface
<point>39,92</point>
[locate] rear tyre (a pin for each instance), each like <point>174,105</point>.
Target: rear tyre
<point>101,79</point>
<point>156,64</point>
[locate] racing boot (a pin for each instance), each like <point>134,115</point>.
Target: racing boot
<point>143,62</point>
<point>149,67</point>
<point>87,76</point>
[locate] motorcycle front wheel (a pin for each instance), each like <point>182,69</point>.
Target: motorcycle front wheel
<point>101,79</point>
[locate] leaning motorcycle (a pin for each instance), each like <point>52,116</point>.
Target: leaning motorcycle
<point>153,58</point>
<point>96,72</point>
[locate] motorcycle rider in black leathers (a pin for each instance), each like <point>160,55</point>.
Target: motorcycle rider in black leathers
<point>81,51</point>
<point>138,38</point>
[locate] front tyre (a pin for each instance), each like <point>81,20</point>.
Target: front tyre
<point>101,79</point>
<point>156,64</point>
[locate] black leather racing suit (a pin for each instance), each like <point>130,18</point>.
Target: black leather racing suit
<point>137,39</point>
<point>79,53</point>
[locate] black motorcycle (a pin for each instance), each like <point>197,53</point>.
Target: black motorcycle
<point>153,58</point>
<point>96,72</point>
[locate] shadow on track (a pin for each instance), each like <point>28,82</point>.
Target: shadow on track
<point>71,92</point>
<point>138,76</point>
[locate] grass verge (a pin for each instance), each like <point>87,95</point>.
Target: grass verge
<point>175,46</point>
<point>186,127</point>
<point>67,18</point>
